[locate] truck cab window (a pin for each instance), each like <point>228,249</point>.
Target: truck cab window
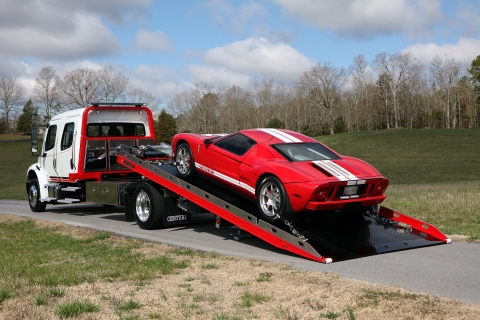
<point>51,136</point>
<point>67,136</point>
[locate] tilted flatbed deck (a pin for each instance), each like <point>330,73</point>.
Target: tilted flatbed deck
<point>325,240</point>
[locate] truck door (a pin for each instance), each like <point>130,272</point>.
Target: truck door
<point>65,157</point>
<point>49,161</point>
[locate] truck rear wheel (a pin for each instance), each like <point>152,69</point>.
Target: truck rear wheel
<point>148,206</point>
<point>34,197</point>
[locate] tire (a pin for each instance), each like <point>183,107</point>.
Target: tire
<point>184,161</point>
<point>148,207</point>
<point>34,197</point>
<point>273,202</point>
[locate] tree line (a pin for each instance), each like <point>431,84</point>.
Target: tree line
<point>52,95</point>
<point>391,91</point>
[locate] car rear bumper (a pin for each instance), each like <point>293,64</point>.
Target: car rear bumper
<point>340,204</point>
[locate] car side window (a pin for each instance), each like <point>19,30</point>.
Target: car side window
<point>51,136</point>
<point>67,136</point>
<point>237,144</point>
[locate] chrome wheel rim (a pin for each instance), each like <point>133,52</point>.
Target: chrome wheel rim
<point>270,199</point>
<point>33,195</point>
<point>183,161</point>
<point>142,206</point>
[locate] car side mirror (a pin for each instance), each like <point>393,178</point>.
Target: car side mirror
<point>34,138</point>
<point>207,142</point>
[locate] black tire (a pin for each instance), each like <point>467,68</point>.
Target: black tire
<point>272,201</point>
<point>148,206</point>
<point>34,197</point>
<point>184,161</point>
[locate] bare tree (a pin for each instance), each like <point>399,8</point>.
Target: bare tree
<point>362,80</point>
<point>11,97</point>
<point>47,91</point>
<point>138,95</point>
<point>112,84</point>
<point>400,68</point>
<point>327,83</point>
<point>446,75</point>
<point>80,87</point>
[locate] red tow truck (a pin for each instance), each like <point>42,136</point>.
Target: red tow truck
<point>106,153</point>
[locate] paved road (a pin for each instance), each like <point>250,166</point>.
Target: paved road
<point>451,270</point>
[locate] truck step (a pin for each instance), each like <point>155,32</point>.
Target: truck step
<point>68,200</point>
<point>48,199</point>
<point>70,189</point>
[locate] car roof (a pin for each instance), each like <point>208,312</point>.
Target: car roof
<point>274,136</point>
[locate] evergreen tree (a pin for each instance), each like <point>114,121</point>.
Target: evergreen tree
<point>28,118</point>
<point>276,124</point>
<point>475,77</point>
<point>166,127</point>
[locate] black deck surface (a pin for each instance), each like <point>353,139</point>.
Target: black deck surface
<point>336,236</point>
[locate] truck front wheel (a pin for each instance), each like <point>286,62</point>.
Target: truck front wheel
<point>34,197</point>
<point>148,206</point>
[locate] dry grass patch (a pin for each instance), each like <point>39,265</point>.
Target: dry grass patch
<point>212,286</point>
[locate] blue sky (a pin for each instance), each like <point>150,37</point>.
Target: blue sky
<point>166,46</point>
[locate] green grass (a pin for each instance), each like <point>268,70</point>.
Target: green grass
<point>39,256</point>
<point>434,174</point>
<point>76,308</point>
<point>248,299</point>
<point>14,162</point>
<point>415,156</point>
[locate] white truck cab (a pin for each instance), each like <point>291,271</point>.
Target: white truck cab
<point>80,146</point>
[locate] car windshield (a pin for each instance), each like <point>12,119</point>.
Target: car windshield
<point>305,151</point>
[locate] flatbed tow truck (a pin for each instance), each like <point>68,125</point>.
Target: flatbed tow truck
<point>154,196</point>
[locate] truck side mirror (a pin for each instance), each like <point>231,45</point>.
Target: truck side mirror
<point>34,137</point>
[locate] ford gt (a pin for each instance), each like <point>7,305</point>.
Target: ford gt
<point>286,173</point>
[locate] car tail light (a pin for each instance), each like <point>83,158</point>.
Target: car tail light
<point>321,194</point>
<point>379,188</point>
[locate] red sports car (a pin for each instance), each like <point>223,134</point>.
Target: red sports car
<point>285,172</point>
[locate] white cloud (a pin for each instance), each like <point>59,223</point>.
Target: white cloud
<point>162,82</point>
<point>365,18</point>
<point>89,37</point>
<point>235,19</point>
<point>464,51</point>
<point>259,57</point>
<point>220,76</point>
<point>153,41</point>
<point>62,29</point>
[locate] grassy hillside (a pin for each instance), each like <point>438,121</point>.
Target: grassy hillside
<point>434,174</point>
<point>415,156</point>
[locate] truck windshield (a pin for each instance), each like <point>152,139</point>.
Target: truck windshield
<point>305,151</point>
<point>115,129</point>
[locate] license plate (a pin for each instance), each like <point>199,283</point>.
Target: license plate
<point>350,191</point>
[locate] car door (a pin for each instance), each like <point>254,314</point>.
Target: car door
<point>225,156</point>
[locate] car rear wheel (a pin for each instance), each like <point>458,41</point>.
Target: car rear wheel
<point>184,161</point>
<point>34,197</point>
<point>273,202</point>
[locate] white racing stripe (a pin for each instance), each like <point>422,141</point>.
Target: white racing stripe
<point>225,177</point>
<point>285,137</point>
<point>339,172</point>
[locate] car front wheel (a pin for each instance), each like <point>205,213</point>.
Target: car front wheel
<point>273,202</point>
<point>184,161</point>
